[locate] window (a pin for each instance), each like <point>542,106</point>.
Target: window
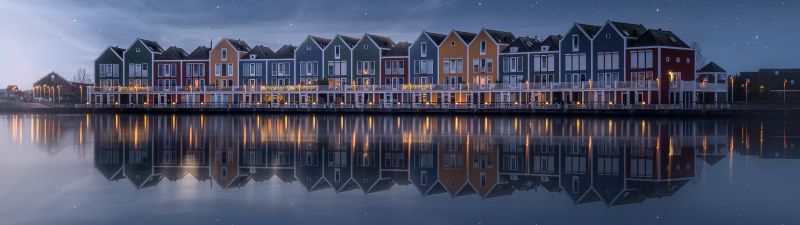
<point>230,70</point>
<point>574,62</point>
<point>513,49</point>
<point>545,48</point>
<point>423,66</point>
<point>677,59</point>
<point>511,64</point>
<point>607,60</point>
<point>366,46</point>
<point>252,69</point>
<point>217,70</point>
<point>337,52</point>
<point>195,70</point>
<point>423,49</point>
<point>224,54</point>
<point>608,35</point>
<point>575,43</point>
<point>365,68</point>
<point>138,50</point>
<point>483,65</point>
<point>544,63</point>
<point>642,59</point>
<point>337,68</point>
<point>452,43</point>
<point>308,48</point>
<point>483,48</point>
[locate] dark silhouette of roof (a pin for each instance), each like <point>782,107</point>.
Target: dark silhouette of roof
<point>172,53</point>
<point>53,79</point>
<point>436,37</point>
<point>712,68</point>
<point>201,52</point>
<point>119,51</point>
<point>260,52</point>
<point>466,36</point>
<point>591,30</point>
<point>552,42</point>
<point>152,45</point>
<point>501,37</point>
<point>523,44</point>
<point>285,52</point>
<point>382,41</point>
<point>659,38</point>
<point>400,49</point>
<point>240,45</point>
<point>351,41</point>
<point>322,42</point>
<point>629,30</point>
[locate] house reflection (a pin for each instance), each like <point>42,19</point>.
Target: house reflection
<point>612,161</point>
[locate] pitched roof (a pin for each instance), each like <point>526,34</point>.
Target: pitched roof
<point>466,36</point>
<point>659,38</point>
<point>260,52</point>
<point>436,37</point>
<point>400,49</point>
<point>629,30</point>
<point>591,30</point>
<point>351,41</point>
<point>322,42</point>
<point>201,52</point>
<point>240,45</point>
<point>381,41</point>
<point>712,68</point>
<point>501,37</point>
<point>152,45</point>
<point>53,79</point>
<point>523,44</point>
<point>551,41</point>
<point>119,51</point>
<point>172,53</point>
<point>285,52</point>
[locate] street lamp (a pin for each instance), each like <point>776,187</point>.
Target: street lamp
<point>784,91</point>
<point>746,90</point>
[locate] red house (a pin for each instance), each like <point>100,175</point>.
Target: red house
<point>195,73</point>
<point>660,69</point>
<point>394,70</point>
<point>166,70</point>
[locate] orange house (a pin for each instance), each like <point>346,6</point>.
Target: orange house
<point>453,64</point>
<point>225,62</point>
<point>483,59</point>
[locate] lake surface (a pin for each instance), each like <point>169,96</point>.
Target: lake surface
<point>406,169</point>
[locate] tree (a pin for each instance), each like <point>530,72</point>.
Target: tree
<point>699,59</point>
<point>82,77</point>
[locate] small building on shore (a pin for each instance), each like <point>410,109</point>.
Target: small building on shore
<point>54,88</point>
<point>768,85</point>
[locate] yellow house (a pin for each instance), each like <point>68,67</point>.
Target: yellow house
<point>483,60</point>
<point>453,66</point>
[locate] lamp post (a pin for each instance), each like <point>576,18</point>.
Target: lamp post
<point>784,92</point>
<point>746,90</point>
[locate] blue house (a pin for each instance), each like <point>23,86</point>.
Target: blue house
<point>576,69</point>
<point>544,64</point>
<point>339,60</point>
<point>425,51</point>
<point>610,45</point>
<point>281,66</point>
<point>514,60</point>
<point>309,60</point>
<point>253,67</point>
<point>367,58</point>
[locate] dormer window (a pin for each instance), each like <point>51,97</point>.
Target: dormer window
<point>138,50</point>
<point>252,56</point>
<point>514,49</point>
<point>224,54</point>
<point>545,48</point>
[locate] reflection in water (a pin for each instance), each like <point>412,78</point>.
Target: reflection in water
<point>614,161</point>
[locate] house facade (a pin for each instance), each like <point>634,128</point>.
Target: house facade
<point>454,70</point>
<point>281,67</point>
<point>195,68</point>
<point>338,60</point>
<point>515,67</point>
<point>544,71</point>
<point>253,72</point>
<point>661,69</point>
<point>309,63</point>
<point>609,47</point>
<point>108,67</point>
<point>394,71</point>
<point>167,68</point>
<point>424,58</point>
<point>224,61</point>
<point>139,62</point>
<point>576,70</point>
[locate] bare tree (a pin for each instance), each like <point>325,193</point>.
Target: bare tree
<point>82,77</point>
<point>699,59</point>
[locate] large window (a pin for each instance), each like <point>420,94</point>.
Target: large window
<point>365,68</point>
<point>642,59</point>
<point>394,67</point>
<point>574,62</point>
<point>108,70</point>
<point>337,68</point>
<point>308,68</point>
<point>513,65</point>
<point>544,63</point>
<point>423,66</point>
<point>280,69</point>
<point>195,70</point>
<point>453,66</point>
<point>166,70</point>
<point>608,60</point>
<point>484,65</point>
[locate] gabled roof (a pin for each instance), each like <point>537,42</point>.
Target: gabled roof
<point>201,52</point>
<point>466,36</point>
<point>322,42</point>
<point>117,50</point>
<point>351,41</point>
<point>501,37</point>
<point>172,53</point>
<point>524,44</point>
<point>53,79</point>
<point>659,38</point>
<point>629,30</point>
<point>285,52</point>
<point>590,30</point>
<point>436,37</point>
<point>240,45</point>
<point>712,68</point>
<point>551,41</point>
<point>400,49</point>
<point>381,41</point>
<point>152,45</point>
<point>260,52</point>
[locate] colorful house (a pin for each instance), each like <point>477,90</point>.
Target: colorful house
<point>544,68</point>
<point>712,84</point>
<point>515,69</point>
<point>253,72</point>
<point>394,70</point>
<point>138,64</point>
<point>225,62</point>
<point>424,58</point>
<point>661,69</point>
<point>196,72</point>
<point>453,73</point>
<point>339,60</point>
<point>309,61</point>
<point>108,66</point>
<point>576,70</point>
<point>483,55</point>
<point>167,67</point>
<point>367,58</point>
<point>281,66</point>
<point>609,47</point>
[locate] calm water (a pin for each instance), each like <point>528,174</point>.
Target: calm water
<point>358,169</point>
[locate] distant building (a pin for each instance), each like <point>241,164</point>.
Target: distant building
<point>54,88</point>
<point>768,85</point>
